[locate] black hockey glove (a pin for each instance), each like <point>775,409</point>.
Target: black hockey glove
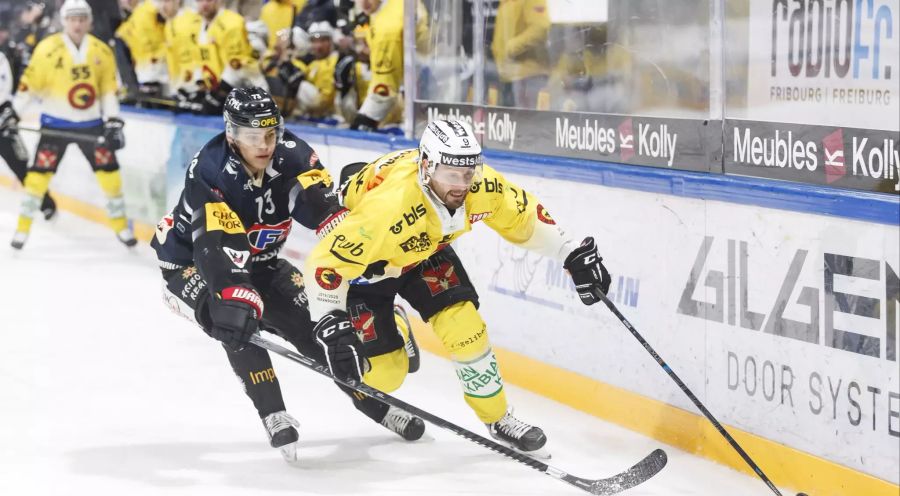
<point>587,270</point>
<point>112,133</point>
<point>291,76</point>
<point>345,75</point>
<point>363,122</point>
<point>9,119</point>
<point>335,334</point>
<point>188,101</point>
<point>235,316</point>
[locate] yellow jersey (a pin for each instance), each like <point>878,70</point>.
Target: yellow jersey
<point>182,52</point>
<point>278,15</point>
<point>321,74</point>
<point>394,224</point>
<point>76,84</point>
<point>144,33</point>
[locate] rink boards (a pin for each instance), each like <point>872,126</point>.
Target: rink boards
<point>783,321</point>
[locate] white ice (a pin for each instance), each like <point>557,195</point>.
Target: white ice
<point>104,392</point>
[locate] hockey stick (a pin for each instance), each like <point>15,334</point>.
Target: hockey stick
<point>640,472</point>
<point>58,133</point>
<point>734,444</point>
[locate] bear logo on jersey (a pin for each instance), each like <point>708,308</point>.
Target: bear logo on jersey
<point>544,216</point>
<point>82,96</point>
<point>328,278</point>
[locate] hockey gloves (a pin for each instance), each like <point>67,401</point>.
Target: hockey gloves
<point>291,76</point>
<point>112,133</point>
<point>343,350</point>
<point>235,316</point>
<point>8,119</point>
<point>587,270</point>
<point>345,74</point>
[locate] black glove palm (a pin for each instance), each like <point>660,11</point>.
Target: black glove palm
<point>112,133</point>
<point>335,334</point>
<point>9,120</point>
<point>587,270</point>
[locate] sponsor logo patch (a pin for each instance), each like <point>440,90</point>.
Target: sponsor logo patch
<point>473,218</point>
<point>417,244</point>
<point>263,236</point>
<point>219,217</point>
<point>328,278</point>
<point>238,258</point>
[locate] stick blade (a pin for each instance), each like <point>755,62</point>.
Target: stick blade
<point>639,473</point>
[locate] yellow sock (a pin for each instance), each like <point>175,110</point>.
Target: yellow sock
<point>36,185</point>
<point>111,184</point>
<point>464,335</point>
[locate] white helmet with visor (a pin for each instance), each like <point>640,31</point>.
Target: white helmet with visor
<point>449,154</point>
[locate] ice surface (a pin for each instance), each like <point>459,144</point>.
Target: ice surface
<point>105,392</point>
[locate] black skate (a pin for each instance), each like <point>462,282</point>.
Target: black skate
<point>409,341</point>
<point>283,434</point>
<point>48,207</point>
<point>518,435</point>
<point>126,236</point>
<point>406,425</point>
<point>19,239</point>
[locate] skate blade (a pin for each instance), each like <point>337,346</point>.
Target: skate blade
<point>289,453</point>
<point>538,454</point>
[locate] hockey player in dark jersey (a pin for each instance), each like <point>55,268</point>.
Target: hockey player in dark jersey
<point>218,251</point>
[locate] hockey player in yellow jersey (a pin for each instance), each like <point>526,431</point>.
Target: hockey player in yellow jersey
<point>143,33</point>
<point>312,84</point>
<point>74,76</point>
<point>220,57</point>
<point>385,40</point>
<point>405,209</point>
<point>279,15</point>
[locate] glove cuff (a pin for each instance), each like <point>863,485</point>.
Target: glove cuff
<point>331,222</point>
<point>244,295</point>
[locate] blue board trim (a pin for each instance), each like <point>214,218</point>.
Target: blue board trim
<point>849,204</point>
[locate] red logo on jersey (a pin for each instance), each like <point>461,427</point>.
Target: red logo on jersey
<point>544,216</point>
<point>261,236</point>
<point>473,218</point>
<point>363,320</point>
<point>46,159</point>
<point>102,156</point>
<point>439,277</point>
<point>82,96</point>
<point>328,278</point>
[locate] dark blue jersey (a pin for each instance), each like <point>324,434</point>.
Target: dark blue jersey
<point>225,221</point>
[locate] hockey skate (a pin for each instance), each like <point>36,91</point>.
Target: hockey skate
<point>283,434</point>
<point>19,239</point>
<point>519,436</point>
<point>405,424</point>
<point>126,236</point>
<point>409,341</point>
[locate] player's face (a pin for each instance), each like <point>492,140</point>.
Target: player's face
<point>207,8</point>
<point>368,6</point>
<point>451,184</point>
<point>168,8</point>
<point>256,146</point>
<point>76,27</point>
<point>321,47</point>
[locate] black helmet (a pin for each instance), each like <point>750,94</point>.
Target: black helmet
<point>253,108</point>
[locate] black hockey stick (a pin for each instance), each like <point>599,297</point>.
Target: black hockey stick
<point>734,444</point>
<point>640,472</point>
<point>58,133</point>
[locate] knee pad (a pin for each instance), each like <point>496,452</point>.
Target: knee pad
<point>388,370</point>
<point>37,183</point>
<point>110,182</point>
